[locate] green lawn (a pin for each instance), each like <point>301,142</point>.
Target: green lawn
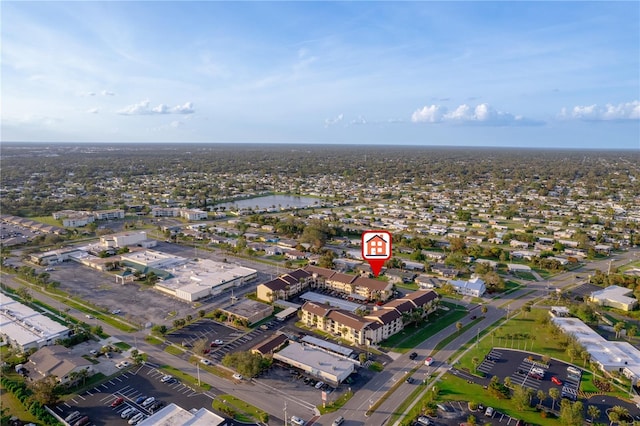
<point>335,405</point>
<point>173,350</point>
<point>15,408</point>
<point>453,388</point>
<point>153,340</point>
<point>411,336</point>
<point>184,377</point>
<point>122,345</point>
<point>243,411</point>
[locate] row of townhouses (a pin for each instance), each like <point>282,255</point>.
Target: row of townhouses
<point>371,329</point>
<point>355,286</point>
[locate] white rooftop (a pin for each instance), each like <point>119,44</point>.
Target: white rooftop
<point>204,273</point>
<point>24,325</point>
<point>614,292</point>
<point>333,301</point>
<point>611,355</point>
<point>317,359</point>
<point>174,415</point>
<point>154,259</point>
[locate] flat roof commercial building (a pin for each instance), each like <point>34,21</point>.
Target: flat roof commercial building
<point>24,328</point>
<point>248,310</point>
<point>195,280</point>
<point>174,415</point>
<point>608,355</point>
<point>615,297</point>
<point>316,362</point>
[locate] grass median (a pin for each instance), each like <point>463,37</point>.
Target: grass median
<point>185,378</point>
<point>238,409</point>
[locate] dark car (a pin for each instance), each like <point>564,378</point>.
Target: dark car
<point>83,421</point>
<point>140,399</point>
<point>409,380</point>
<point>413,355</point>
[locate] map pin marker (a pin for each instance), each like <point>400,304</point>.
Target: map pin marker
<point>376,249</point>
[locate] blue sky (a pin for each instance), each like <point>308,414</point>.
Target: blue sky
<point>530,74</point>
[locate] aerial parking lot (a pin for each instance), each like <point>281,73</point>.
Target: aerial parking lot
<point>105,403</point>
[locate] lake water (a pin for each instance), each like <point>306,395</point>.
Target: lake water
<point>266,202</point>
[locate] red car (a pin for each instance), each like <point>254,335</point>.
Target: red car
<point>556,381</point>
<point>117,402</point>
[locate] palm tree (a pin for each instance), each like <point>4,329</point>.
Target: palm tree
<point>484,309</point>
<point>541,396</point>
<point>586,356</point>
<point>618,327</point>
<point>613,417</point>
<point>593,412</point>
<point>459,326</point>
<point>475,361</point>
<point>622,412</point>
<point>554,393</point>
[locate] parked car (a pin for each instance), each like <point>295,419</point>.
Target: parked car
<point>166,378</point>
<point>413,355</point>
<point>147,402</point>
<point>556,381</point>
<point>237,376</point>
<point>136,419</point>
<point>216,342</point>
<point>338,421</point>
<point>140,399</point>
<point>319,385</point>
<point>82,421</point>
<point>423,421</point>
<point>73,416</point>
<point>128,412</point>
<point>489,412</point>
<point>297,421</point>
<point>116,311</point>
<point>117,402</point>
<point>205,361</point>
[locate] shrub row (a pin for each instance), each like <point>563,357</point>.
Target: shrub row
<point>23,394</point>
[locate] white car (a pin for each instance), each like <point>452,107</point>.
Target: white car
<point>297,420</point>
<point>116,311</point>
<point>238,376</point>
<point>166,378</point>
<point>135,419</point>
<point>205,361</point>
<point>147,402</point>
<point>128,413</point>
<point>428,361</point>
<point>123,364</point>
<point>217,342</point>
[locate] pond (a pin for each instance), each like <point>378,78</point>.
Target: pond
<point>269,201</point>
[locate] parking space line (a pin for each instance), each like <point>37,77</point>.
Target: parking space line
<point>96,389</point>
<point>68,406</point>
<point>118,379</point>
<point>80,396</point>
<point>58,408</point>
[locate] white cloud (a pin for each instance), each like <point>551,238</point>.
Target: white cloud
<point>428,114</point>
<point>144,108</point>
<point>623,111</point>
<point>107,93</point>
<point>91,94</point>
<point>93,110</point>
<point>331,121</point>
<point>187,108</point>
<point>481,114</point>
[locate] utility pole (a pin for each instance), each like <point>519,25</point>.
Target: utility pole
<point>198,370</point>
<point>285,413</point>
